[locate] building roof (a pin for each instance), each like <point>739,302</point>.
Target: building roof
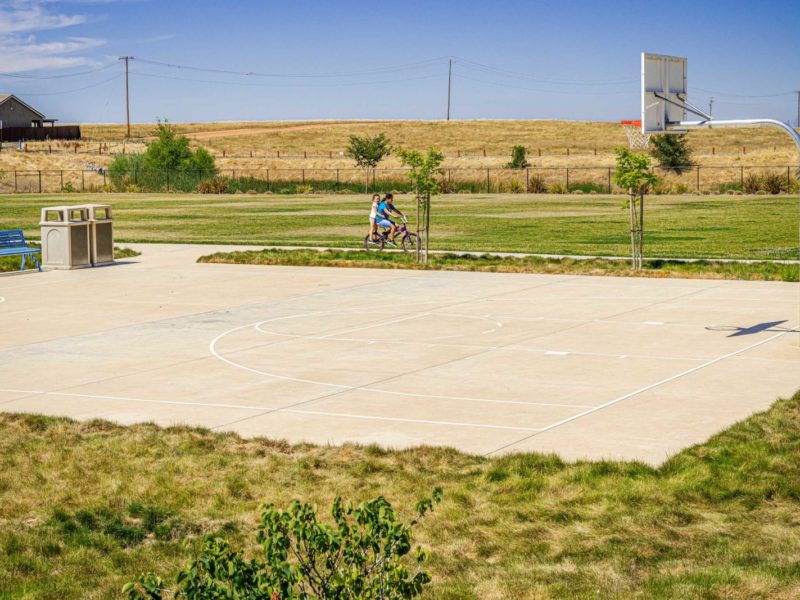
<point>5,97</point>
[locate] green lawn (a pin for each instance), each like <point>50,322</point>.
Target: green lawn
<point>762,227</point>
<point>85,507</point>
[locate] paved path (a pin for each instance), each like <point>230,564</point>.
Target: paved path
<point>588,367</point>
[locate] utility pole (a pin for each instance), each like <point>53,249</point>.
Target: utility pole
<point>127,97</point>
<point>449,83</point>
<point>711,105</point>
<point>798,109</point>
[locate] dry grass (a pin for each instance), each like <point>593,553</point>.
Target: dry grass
<point>589,144</point>
<point>85,507</point>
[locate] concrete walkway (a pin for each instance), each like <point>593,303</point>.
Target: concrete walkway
<point>588,367</point>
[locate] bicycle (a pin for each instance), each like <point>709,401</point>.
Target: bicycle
<point>408,241</point>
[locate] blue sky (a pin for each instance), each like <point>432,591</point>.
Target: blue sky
<point>388,60</point>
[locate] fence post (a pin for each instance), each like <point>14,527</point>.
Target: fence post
<point>487,181</point>
<point>698,178</point>
<point>337,180</point>
<point>83,181</point>
<point>567,179</point>
<point>303,176</point>
<point>269,185</point>
<point>167,180</point>
<point>40,182</point>
<point>104,178</point>
<point>62,179</point>
<point>609,180</point>
<point>741,178</point>
<point>527,179</point>
<point>788,178</point>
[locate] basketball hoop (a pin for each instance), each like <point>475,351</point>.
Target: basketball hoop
<point>637,140</point>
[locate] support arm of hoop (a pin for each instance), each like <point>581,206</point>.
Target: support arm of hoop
<point>742,123</point>
<point>685,106</point>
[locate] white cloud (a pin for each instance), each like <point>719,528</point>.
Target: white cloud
<point>19,47</point>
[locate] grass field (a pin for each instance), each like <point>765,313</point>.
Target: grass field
<point>753,227</point>
<point>761,271</point>
<point>85,507</point>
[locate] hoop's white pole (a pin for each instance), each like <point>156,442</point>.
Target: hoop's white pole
<point>750,123</point>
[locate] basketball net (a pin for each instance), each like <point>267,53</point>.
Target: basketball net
<point>636,139</point>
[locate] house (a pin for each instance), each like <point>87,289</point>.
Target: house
<point>15,113</point>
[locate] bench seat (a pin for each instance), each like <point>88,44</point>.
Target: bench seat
<point>12,243</point>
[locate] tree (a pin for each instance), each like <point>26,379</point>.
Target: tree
<point>368,152</point>
<point>168,161</point>
<point>633,173</point>
<point>672,152</point>
<point>425,174</point>
<point>361,556</point>
<point>518,160</point>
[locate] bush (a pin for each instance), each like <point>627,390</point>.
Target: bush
<point>536,185</point>
<point>765,183</point>
<point>518,160</point>
<point>681,188</point>
<point>672,151</point>
<point>587,187</point>
<point>728,187</point>
<point>516,187</point>
<point>303,188</point>
<point>215,185</point>
<point>69,188</point>
<point>362,555</point>
<point>558,188</point>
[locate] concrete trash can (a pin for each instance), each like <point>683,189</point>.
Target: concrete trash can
<point>65,237</point>
<point>101,234</point>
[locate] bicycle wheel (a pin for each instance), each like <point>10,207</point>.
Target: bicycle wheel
<point>410,242</point>
<point>376,245</point>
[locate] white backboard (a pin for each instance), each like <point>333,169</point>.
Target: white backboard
<point>663,76</point>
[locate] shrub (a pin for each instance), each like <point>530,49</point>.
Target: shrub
<point>362,555</point>
<point>587,187</point>
<point>215,185</point>
<point>728,187</point>
<point>558,188</point>
<point>69,188</point>
<point>518,160</point>
<point>516,187</point>
<point>672,151</point>
<point>681,188</point>
<point>536,185</point>
<point>303,188</point>
<point>751,183</point>
<point>774,183</point>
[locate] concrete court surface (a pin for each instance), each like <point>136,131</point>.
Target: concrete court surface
<point>587,367</point>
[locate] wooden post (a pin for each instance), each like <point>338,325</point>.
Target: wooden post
<point>83,181</point>
<point>713,150</point>
<point>279,153</point>
<point>40,182</point>
<point>487,181</point>
<point>269,185</point>
<point>567,151</point>
<point>540,152</point>
<point>62,179</point>
<point>527,179</point>
<point>337,180</point>
<point>305,155</point>
<point>302,176</point>
<point>698,178</point>
<point>484,153</point>
<point>567,180</point>
<point>15,181</point>
<point>609,180</point>
<point>741,177</point>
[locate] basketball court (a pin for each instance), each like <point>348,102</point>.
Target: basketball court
<point>588,367</point>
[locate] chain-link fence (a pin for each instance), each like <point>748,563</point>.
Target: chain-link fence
<point>588,180</point>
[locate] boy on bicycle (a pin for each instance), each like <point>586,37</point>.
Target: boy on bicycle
<point>386,209</point>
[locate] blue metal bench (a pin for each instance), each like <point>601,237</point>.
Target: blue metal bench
<point>12,243</point>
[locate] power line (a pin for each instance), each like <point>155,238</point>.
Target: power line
<point>409,66</point>
<point>139,73</point>
<point>535,78</point>
<point>63,76</point>
<point>80,89</point>
<point>541,91</point>
<point>716,93</point>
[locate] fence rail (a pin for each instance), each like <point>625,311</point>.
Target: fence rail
<point>697,179</point>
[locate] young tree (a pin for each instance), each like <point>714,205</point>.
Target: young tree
<point>672,152</point>
<point>368,152</point>
<point>425,175</point>
<point>362,555</point>
<point>633,173</point>
<point>518,160</point>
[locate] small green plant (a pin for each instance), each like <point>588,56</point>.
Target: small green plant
<point>368,152</point>
<point>681,188</point>
<point>303,188</point>
<point>672,152</point>
<point>362,555</point>
<point>558,188</point>
<point>68,188</point>
<point>634,173</point>
<point>587,187</point>
<point>728,187</point>
<point>537,185</point>
<point>516,187</point>
<point>518,160</point>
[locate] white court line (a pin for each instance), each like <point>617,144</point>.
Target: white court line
<point>647,388</point>
<point>2,299</point>
<point>213,350</point>
<point>270,410</point>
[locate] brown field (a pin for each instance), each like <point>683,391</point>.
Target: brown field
<point>243,146</point>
